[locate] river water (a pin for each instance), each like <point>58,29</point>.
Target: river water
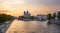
<point>18,26</point>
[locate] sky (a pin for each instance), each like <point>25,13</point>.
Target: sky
<point>17,7</point>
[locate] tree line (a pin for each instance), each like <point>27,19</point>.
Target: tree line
<point>4,17</point>
<point>52,16</point>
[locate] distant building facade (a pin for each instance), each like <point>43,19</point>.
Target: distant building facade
<point>41,17</point>
<point>27,14</point>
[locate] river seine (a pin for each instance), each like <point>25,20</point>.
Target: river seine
<point>18,26</point>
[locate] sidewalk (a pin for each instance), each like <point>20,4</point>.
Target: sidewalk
<point>4,26</point>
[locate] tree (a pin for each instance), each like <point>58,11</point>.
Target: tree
<point>54,15</point>
<point>4,17</point>
<point>58,15</point>
<point>32,17</point>
<point>49,16</point>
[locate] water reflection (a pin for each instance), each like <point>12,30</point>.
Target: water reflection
<point>32,27</point>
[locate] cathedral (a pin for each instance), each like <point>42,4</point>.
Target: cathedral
<point>26,14</point>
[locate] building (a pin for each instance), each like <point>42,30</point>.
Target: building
<point>26,14</point>
<point>41,17</point>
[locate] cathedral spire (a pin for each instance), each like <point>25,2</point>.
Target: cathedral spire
<point>27,11</point>
<point>24,12</point>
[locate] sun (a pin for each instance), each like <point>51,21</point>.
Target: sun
<point>8,13</point>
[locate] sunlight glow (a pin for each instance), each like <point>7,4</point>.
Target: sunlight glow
<point>8,13</point>
<point>14,2</point>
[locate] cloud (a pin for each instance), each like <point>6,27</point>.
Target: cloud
<point>33,2</point>
<point>54,4</point>
<point>49,3</point>
<point>43,2</point>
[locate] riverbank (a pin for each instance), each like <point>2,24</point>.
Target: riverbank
<point>54,21</point>
<point>5,26</point>
<point>31,20</point>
